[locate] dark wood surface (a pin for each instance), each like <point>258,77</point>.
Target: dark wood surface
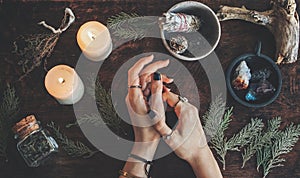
<point>19,18</point>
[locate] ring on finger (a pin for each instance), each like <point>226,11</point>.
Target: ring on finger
<point>180,99</point>
<point>168,136</point>
<point>135,86</point>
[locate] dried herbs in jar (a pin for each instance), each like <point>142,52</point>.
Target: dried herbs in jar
<point>34,142</point>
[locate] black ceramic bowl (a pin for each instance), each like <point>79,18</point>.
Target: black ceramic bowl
<point>202,42</point>
<point>255,62</point>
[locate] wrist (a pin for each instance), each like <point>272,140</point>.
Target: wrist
<point>196,156</point>
<point>145,150</point>
<point>204,164</point>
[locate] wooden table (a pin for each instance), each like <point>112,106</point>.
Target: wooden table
<point>19,18</point>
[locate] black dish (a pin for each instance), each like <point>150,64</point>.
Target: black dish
<point>255,62</point>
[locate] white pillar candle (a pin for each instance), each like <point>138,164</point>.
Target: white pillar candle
<point>94,40</point>
<point>63,83</point>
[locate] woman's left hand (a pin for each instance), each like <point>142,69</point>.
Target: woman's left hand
<point>139,78</point>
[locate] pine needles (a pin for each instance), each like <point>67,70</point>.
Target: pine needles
<point>267,143</point>
<point>72,148</point>
<point>130,26</point>
<point>8,110</point>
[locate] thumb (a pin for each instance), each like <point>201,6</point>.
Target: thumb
<point>157,105</point>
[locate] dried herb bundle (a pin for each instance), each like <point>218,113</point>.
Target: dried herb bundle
<point>72,148</point>
<point>33,49</point>
<point>8,110</point>
<point>130,26</point>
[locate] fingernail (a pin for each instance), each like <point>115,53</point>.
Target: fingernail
<point>156,76</point>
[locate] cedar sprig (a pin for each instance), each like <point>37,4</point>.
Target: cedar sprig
<point>8,110</point>
<point>72,148</point>
<point>262,139</point>
<point>270,156</point>
<point>94,119</point>
<point>218,141</point>
<point>244,137</point>
<point>130,26</point>
<point>107,114</point>
<point>105,106</point>
<point>215,126</point>
<point>214,117</point>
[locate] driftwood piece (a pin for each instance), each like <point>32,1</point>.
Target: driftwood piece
<point>282,20</point>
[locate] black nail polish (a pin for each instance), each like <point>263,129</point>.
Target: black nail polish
<point>156,76</point>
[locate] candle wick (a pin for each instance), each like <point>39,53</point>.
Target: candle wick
<point>61,80</point>
<point>91,35</point>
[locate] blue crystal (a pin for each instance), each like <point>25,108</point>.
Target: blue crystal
<point>250,96</point>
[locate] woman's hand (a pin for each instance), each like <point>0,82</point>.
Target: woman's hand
<point>143,112</point>
<point>139,77</point>
<point>188,138</point>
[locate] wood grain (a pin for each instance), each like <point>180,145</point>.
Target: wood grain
<point>21,17</point>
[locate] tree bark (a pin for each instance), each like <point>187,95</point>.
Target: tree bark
<point>282,20</point>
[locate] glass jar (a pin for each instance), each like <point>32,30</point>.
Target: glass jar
<point>34,143</point>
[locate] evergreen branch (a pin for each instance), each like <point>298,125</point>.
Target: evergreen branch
<point>262,140</point>
<point>10,104</point>
<point>245,136</point>
<point>215,124</point>
<point>212,119</point>
<point>94,119</point>
<point>115,21</point>
<point>72,148</point>
<point>282,145</point>
<point>108,114</point>
<point>8,110</point>
<point>218,141</point>
<point>130,26</point>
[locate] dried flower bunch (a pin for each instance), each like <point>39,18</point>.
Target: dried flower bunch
<point>34,49</point>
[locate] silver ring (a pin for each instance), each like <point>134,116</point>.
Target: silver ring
<point>168,136</point>
<point>135,86</point>
<point>182,99</point>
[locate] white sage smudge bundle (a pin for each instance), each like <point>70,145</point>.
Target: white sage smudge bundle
<point>179,22</point>
<point>33,49</point>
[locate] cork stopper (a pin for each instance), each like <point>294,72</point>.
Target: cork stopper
<point>26,126</point>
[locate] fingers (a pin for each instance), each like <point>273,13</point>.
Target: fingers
<point>145,74</point>
<point>171,98</point>
<point>145,79</point>
<point>134,71</point>
<point>155,66</point>
<point>157,105</point>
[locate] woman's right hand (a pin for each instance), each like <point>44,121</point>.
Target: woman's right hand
<point>188,139</point>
